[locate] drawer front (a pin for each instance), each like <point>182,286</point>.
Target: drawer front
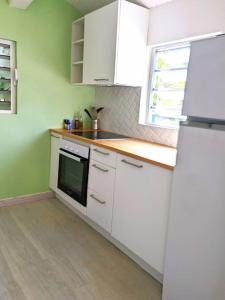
<point>103,155</point>
<point>99,209</point>
<point>101,178</point>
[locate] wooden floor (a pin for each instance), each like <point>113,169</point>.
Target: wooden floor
<point>48,253</point>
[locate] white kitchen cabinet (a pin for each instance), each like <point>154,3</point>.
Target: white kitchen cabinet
<point>115,41</point>
<point>101,187</point>
<point>99,209</point>
<point>54,164</point>
<point>140,212</point>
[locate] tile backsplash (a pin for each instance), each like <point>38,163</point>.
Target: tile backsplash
<point>121,115</point>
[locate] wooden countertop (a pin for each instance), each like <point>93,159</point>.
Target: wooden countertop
<point>152,153</point>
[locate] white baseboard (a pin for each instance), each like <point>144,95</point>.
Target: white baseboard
<point>154,273</point>
<point>26,198</point>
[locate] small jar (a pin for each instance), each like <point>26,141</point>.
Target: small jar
<point>67,124</point>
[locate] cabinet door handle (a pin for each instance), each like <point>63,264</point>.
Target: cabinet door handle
<point>97,199</point>
<point>99,168</point>
<point>101,152</point>
<point>132,164</point>
<point>101,79</point>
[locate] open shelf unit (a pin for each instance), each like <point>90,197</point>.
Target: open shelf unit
<point>77,51</point>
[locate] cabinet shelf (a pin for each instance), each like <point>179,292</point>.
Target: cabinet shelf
<point>80,20</point>
<point>78,62</point>
<point>78,30</point>
<point>77,74</point>
<point>78,42</point>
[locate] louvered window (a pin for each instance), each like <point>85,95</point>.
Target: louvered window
<point>8,77</point>
<point>167,85</point>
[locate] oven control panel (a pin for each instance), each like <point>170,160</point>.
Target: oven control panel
<point>75,148</point>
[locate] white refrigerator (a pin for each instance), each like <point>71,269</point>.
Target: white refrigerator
<point>195,256</point>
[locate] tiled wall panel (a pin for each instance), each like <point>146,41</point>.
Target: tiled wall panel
<point>122,112</point>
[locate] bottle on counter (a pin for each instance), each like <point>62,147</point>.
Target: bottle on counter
<point>81,120</point>
<point>76,121</point>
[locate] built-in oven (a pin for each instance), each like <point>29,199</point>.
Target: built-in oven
<point>73,170</point>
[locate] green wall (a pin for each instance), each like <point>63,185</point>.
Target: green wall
<point>45,95</point>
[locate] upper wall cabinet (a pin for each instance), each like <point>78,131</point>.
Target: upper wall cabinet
<point>115,40</point>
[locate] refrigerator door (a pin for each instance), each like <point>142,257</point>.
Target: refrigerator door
<point>195,259</point>
<point>205,87</point>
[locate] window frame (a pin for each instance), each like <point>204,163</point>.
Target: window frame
<point>13,76</point>
<point>151,70</point>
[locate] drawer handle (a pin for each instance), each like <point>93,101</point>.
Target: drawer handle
<point>101,152</point>
<point>101,79</point>
<point>97,199</point>
<point>99,168</point>
<point>131,164</point>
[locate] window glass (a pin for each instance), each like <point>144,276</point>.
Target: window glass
<point>7,77</point>
<point>167,85</point>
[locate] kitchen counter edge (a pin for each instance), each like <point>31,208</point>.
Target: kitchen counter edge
<point>131,153</point>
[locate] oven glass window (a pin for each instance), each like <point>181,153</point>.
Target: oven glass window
<point>71,174</point>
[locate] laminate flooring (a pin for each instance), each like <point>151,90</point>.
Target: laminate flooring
<point>49,253</point>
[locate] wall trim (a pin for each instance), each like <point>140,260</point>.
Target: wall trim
<point>26,198</point>
<point>154,273</point>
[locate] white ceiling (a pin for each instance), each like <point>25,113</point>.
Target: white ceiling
<point>86,6</point>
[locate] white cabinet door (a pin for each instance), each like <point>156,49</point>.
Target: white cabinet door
<point>54,162</point>
<point>99,209</point>
<point>100,36</point>
<point>141,209</point>
<point>205,88</point>
<point>115,45</point>
<point>101,178</point>
<point>131,47</point>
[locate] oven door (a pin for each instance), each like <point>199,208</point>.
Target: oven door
<point>73,176</point>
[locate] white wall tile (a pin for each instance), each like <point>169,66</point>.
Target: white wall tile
<point>121,115</point>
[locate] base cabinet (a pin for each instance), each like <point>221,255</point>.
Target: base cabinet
<point>99,209</point>
<point>101,187</point>
<point>126,197</point>
<point>54,164</point>
<point>140,212</point>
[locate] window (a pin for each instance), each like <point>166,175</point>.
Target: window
<point>167,84</point>
<point>7,77</point>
